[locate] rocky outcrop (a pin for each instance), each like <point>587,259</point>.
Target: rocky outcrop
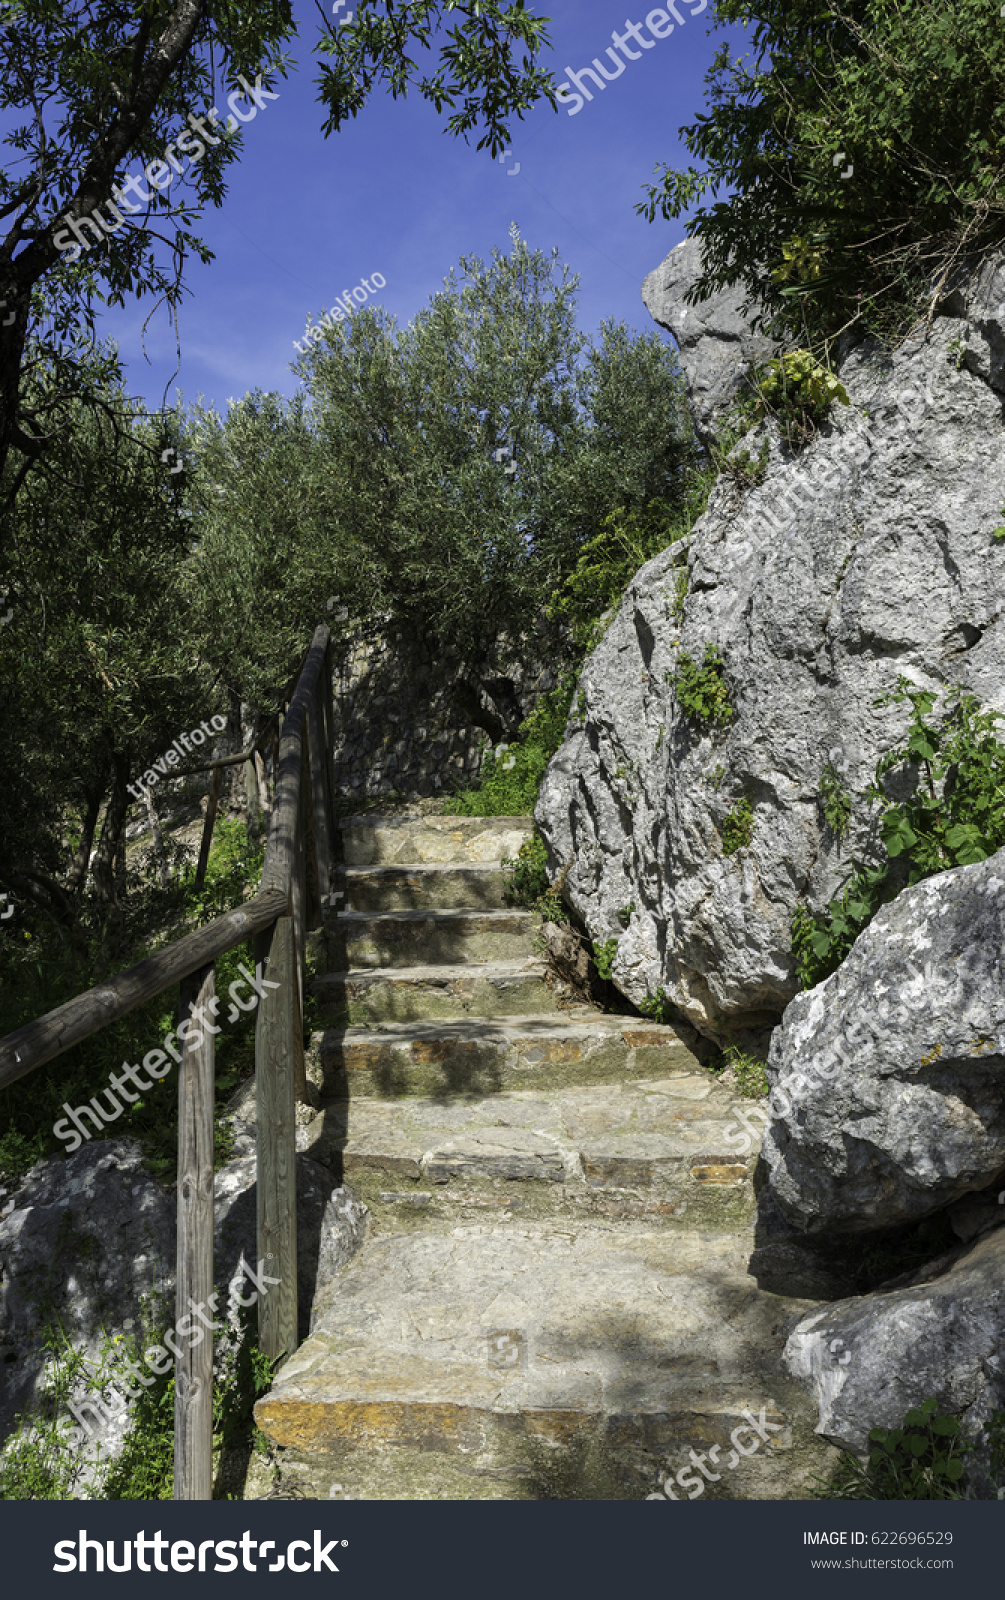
<point>717,344</point>
<point>888,1078</point>
<point>872,1359</point>
<point>866,556</point>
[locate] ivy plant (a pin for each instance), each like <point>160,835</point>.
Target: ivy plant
<point>954,816</point>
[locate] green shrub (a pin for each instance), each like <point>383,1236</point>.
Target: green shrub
<point>820,944</point>
<point>511,775</point>
<point>527,878</point>
<point>659,1009</point>
<point>702,692</point>
<point>39,1462</point>
<point>954,816</point>
<point>919,1461</point>
<point>738,827</point>
<point>799,390</point>
<point>848,158</point>
<point>609,562</point>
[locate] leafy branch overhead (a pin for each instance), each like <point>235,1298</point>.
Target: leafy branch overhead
<point>858,153</point>
<point>477,75</point>
<point>94,93</point>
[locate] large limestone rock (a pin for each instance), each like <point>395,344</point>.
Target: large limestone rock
<point>868,555</point>
<point>870,1360</point>
<point>716,340</point>
<point>889,1077</point>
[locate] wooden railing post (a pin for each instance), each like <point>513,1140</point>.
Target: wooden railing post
<point>193,1395</point>
<point>278,1034</point>
<point>319,792</point>
<point>298,873</point>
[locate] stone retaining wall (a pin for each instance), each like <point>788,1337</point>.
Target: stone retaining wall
<point>397,725</point>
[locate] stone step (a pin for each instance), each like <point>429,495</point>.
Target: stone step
<point>610,1352</point>
<point>670,1148</point>
<point>429,888</point>
<point>411,994</point>
<point>486,1054</point>
<point>436,938</point>
<point>374,839</point>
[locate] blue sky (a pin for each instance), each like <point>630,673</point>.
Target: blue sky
<point>306,217</point>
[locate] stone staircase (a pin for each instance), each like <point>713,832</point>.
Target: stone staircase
<point>553,1299</point>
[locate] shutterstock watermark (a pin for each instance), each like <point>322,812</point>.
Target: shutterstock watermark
<point>342,310</point>
<point>659,25</point>
<point>160,1358</point>
<point>687,1478</point>
<point>72,1555</point>
<point>780,1101</point>
<point>156,1062</point>
<point>160,173</point>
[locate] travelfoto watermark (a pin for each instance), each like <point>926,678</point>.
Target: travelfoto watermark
<point>341,311</point>
<point>177,753</point>
<point>72,1129</point>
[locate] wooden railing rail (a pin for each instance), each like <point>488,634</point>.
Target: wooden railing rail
<point>294,889</point>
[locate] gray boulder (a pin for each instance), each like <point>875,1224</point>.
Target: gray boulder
<point>870,1360</point>
<point>889,1077</point>
<point>83,1242</point>
<point>717,344</point>
<point>867,556</point>
<point>87,1246</point>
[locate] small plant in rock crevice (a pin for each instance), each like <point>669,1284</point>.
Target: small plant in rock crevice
<point>835,799</point>
<point>798,391</point>
<point>659,1009</point>
<point>527,882</point>
<point>745,469</point>
<point>738,827</point>
<point>702,691</point>
<point>603,955</point>
<point>680,585</point>
<point>748,1073</point>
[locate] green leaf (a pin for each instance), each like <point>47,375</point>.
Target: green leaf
<point>945,1425</point>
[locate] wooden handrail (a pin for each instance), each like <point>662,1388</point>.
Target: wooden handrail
<point>293,890</point>
<point>77,1019</point>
